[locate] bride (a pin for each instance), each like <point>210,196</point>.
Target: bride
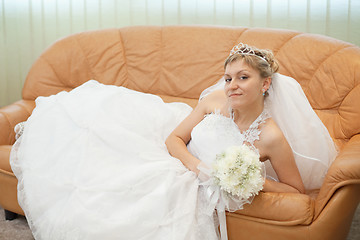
<point>94,162</point>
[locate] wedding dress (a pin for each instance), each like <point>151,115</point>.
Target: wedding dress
<point>92,164</point>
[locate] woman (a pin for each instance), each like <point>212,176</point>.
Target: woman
<point>92,163</point>
<point>248,73</point>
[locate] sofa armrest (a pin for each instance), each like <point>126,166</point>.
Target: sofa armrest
<point>345,170</point>
<point>10,116</point>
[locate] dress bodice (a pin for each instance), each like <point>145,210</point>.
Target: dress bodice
<point>216,132</point>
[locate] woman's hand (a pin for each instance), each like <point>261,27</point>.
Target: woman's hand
<point>177,148</point>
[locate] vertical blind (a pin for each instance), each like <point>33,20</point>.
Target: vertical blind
<point>27,27</point>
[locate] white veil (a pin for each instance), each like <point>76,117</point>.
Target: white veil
<point>309,139</point>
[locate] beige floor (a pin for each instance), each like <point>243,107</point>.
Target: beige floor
<point>19,230</point>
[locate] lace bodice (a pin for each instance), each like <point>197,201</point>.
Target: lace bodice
<point>253,132</point>
<point>216,132</point>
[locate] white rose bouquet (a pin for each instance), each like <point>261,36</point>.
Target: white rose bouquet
<point>238,171</point>
<point>236,176</point>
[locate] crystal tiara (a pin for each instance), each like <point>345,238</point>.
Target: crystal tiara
<point>244,49</point>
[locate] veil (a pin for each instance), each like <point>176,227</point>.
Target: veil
<point>307,136</point>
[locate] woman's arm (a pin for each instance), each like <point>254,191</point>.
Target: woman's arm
<point>177,140</point>
<point>282,159</point>
<point>274,186</point>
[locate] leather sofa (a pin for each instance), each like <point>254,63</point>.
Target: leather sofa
<point>177,63</point>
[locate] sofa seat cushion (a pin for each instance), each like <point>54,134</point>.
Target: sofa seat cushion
<point>278,209</point>
<point>4,158</point>
<point>8,183</point>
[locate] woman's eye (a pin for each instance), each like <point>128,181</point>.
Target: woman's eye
<point>244,77</point>
<point>227,79</point>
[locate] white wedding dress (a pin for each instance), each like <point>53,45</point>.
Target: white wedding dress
<point>92,164</point>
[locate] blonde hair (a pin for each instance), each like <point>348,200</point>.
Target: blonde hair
<point>259,59</point>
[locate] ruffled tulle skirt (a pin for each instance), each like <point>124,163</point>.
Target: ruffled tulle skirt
<point>92,164</point>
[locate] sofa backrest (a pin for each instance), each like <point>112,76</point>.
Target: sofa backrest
<point>178,62</point>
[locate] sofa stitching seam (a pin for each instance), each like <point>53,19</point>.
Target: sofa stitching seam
<point>286,42</point>
<point>161,48</point>
<point>238,38</point>
<point>339,112</point>
<point>53,69</point>
<point>93,75</point>
<point>9,122</point>
<point>296,34</point>
<point>337,89</point>
<point>124,58</point>
<point>318,67</point>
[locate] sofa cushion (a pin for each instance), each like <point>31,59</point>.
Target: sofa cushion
<point>279,208</point>
<point>4,158</point>
<point>12,115</point>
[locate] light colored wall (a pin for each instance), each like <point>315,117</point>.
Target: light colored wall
<point>27,27</point>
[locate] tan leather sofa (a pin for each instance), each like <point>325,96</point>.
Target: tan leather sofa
<point>177,63</point>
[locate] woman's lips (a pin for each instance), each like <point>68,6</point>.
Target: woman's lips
<point>235,95</point>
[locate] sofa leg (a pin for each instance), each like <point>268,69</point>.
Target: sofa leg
<point>10,215</point>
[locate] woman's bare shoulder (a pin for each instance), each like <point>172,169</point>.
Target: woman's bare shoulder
<point>271,134</point>
<point>215,100</point>
<point>215,96</point>
<point>272,140</point>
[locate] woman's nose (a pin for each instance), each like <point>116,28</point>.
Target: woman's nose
<point>233,85</point>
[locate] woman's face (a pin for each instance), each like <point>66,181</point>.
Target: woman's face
<point>244,86</point>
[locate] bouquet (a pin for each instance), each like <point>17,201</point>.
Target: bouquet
<point>239,172</point>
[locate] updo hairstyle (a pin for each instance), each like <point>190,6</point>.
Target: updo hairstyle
<point>259,59</point>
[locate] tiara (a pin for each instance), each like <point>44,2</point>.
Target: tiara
<point>244,49</point>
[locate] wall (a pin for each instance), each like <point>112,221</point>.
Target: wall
<point>27,27</point>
